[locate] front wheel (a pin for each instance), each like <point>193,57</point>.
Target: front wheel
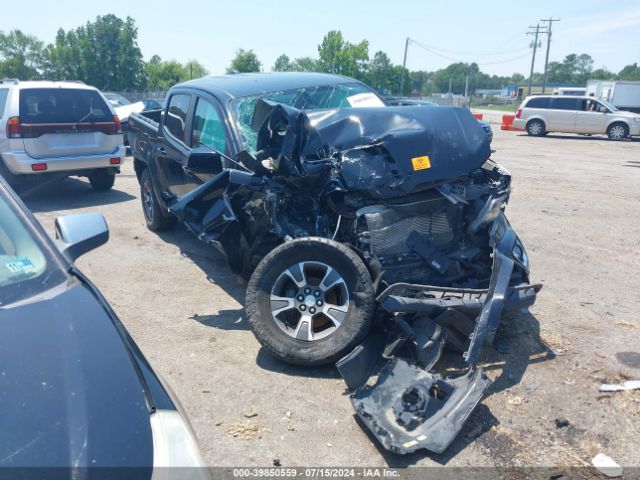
<point>536,128</point>
<point>617,131</point>
<point>310,301</point>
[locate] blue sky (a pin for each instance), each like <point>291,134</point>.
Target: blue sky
<point>211,31</point>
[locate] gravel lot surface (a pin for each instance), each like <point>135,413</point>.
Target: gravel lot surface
<point>575,204</point>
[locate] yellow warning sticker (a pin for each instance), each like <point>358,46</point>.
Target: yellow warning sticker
<point>420,163</point>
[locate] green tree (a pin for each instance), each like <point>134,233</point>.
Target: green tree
<point>282,64</point>
<point>456,73</point>
<point>305,64</point>
<point>244,61</point>
<point>574,69</point>
<point>344,58</point>
<point>162,75</point>
<point>629,72</point>
<point>381,73</point>
<point>194,69</point>
<point>21,56</point>
<point>103,53</point>
<point>602,73</point>
<point>516,79</point>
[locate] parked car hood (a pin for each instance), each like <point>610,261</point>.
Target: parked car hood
<point>125,111</point>
<point>69,391</point>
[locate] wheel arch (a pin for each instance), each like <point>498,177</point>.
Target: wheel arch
<point>619,120</point>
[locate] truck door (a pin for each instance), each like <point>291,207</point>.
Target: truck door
<point>171,153</point>
<point>208,132</point>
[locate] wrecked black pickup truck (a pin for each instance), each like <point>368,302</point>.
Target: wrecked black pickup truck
<point>373,236</point>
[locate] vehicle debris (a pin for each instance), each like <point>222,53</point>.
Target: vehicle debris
<point>606,465</point>
<point>626,386</point>
<point>245,430</point>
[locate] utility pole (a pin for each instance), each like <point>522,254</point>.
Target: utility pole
<point>466,90</point>
<point>546,60</point>
<point>533,59</point>
<point>404,66</point>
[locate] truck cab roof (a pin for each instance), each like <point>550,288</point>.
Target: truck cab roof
<point>247,84</point>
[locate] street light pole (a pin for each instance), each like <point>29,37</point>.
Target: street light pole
<point>546,60</point>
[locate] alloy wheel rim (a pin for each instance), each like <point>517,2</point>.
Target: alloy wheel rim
<point>147,201</point>
<point>309,301</point>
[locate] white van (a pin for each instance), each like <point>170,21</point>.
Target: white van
<point>541,114</point>
<point>62,128</point>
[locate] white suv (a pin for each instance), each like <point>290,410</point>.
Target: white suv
<point>541,114</point>
<point>58,128</point>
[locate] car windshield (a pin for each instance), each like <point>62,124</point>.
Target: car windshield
<point>345,95</point>
<point>608,105</point>
<point>26,267</point>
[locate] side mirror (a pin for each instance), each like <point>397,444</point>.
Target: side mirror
<point>603,109</point>
<point>204,161</point>
<point>79,234</point>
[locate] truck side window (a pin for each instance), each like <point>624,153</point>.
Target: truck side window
<point>208,128</point>
<point>176,117</point>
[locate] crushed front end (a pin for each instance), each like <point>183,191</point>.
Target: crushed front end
<point>414,193</point>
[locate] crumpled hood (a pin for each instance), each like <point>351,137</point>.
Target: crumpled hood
<point>69,393</point>
<point>386,151</point>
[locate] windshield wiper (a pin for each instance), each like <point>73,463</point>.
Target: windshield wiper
<point>86,116</point>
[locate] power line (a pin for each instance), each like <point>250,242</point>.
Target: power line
<point>430,50</point>
<point>478,54</point>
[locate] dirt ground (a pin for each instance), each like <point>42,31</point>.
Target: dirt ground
<point>575,204</point>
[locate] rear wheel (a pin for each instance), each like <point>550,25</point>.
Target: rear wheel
<point>310,301</point>
<point>617,131</point>
<point>536,128</point>
<point>102,180</point>
<point>153,215</point>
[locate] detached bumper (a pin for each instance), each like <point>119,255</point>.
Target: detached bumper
<point>408,408</point>
<point>19,163</point>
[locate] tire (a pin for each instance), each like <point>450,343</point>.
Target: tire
<point>102,180</point>
<point>618,131</point>
<point>536,128</point>
<point>153,216</point>
<point>347,297</point>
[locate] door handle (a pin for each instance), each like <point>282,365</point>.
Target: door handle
<point>187,170</point>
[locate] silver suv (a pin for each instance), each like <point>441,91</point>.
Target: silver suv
<point>541,114</point>
<point>58,128</point>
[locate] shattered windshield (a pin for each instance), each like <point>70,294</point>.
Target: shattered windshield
<point>346,95</point>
